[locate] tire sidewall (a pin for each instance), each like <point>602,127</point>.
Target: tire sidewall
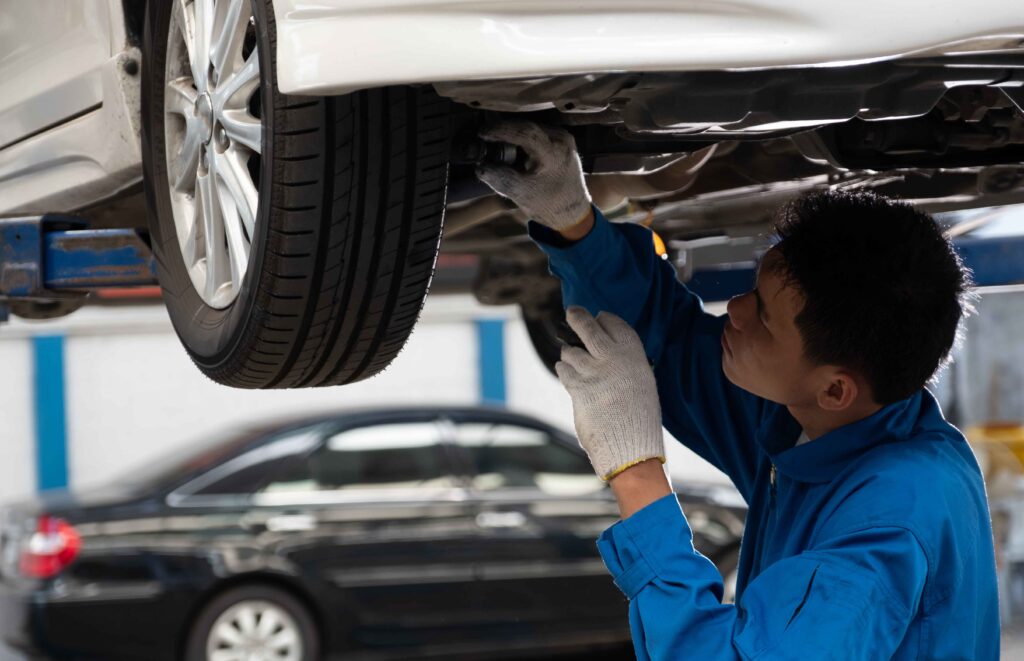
<point>195,646</point>
<point>210,335</point>
<point>542,329</point>
<point>544,340</point>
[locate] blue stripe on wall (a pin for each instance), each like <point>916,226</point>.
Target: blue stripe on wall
<point>51,435</point>
<point>491,344</point>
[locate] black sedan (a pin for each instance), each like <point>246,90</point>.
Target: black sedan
<point>376,534</point>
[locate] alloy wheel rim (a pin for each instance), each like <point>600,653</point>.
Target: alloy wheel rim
<point>254,631</point>
<point>213,131</point>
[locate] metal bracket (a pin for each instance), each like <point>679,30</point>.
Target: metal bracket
<point>21,246</point>
<point>716,253</point>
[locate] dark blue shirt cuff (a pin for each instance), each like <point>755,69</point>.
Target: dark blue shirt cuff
<point>635,548</point>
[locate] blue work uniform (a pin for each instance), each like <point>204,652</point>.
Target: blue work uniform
<point>872,541</point>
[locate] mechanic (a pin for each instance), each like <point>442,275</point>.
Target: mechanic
<point>868,533</point>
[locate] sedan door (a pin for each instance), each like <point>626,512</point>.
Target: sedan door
<point>539,509</point>
<point>375,517</point>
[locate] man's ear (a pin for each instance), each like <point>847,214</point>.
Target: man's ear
<point>839,393</point>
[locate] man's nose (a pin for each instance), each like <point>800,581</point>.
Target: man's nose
<point>738,310</point>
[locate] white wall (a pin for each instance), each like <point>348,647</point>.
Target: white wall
<point>17,421</point>
<point>132,393</point>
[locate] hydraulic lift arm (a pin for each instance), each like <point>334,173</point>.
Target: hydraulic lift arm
<point>51,259</point>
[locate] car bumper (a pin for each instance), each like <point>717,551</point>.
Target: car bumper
<point>126,622</point>
<point>18,623</point>
<point>336,46</point>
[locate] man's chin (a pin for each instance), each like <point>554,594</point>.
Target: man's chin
<point>727,370</point>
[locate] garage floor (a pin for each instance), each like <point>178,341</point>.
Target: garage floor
<point>1012,649</point>
<point>7,655</point>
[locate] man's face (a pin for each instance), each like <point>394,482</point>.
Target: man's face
<point>762,348</point>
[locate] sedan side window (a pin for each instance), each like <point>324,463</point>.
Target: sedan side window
<point>507,456</point>
<point>388,456</point>
<point>247,472</point>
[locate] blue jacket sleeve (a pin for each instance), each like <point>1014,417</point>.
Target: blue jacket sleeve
<point>851,596</point>
<point>615,268</point>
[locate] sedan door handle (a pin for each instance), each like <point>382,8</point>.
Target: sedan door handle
<point>291,523</point>
<point>500,519</point>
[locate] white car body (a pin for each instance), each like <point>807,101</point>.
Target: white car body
<point>69,114</point>
<point>69,108</point>
<point>334,46</point>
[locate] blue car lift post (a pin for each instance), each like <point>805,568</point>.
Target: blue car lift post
<point>54,258</point>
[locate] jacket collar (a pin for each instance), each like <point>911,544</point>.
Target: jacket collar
<point>823,458</point>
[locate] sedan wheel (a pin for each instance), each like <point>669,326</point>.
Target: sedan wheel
<point>253,623</point>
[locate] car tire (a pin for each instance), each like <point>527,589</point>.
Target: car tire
<point>265,604</point>
<point>349,195</point>
<point>542,330</point>
<point>543,322</point>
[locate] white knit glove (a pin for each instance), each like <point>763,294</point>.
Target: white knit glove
<point>614,396</point>
<point>552,190</point>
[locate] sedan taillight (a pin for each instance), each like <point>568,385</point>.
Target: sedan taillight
<point>51,548</point>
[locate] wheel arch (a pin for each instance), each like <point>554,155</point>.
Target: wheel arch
<point>134,13</point>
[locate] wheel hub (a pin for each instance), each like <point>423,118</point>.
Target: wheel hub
<point>255,630</point>
<point>204,112</point>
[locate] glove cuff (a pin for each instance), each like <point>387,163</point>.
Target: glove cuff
<point>607,477</point>
<point>566,217</point>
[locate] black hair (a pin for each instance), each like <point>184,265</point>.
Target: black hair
<point>883,290</point>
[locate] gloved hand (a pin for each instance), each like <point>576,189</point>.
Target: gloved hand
<point>552,190</point>
<point>614,395</point>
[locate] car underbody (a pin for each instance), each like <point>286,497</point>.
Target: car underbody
<point>700,154</point>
